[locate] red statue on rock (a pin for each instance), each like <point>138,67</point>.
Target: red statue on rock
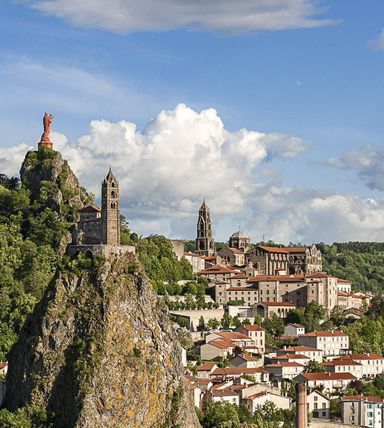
<point>45,141</point>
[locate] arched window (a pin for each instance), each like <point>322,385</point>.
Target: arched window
<point>113,205</point>
<point>113,194</point>
<point>113,184</point>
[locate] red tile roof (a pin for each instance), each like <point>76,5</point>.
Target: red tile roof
<point>282,278</point>
<point>285,364</point>
<point>246,357</point>
<point>232,335</point>
<point>285,250</point>
<point>368,356</point>
<point>250,327</point>
<point>205,367</point>
<point>257,395</point>
<point>368,398</point>
<point>328,376</point>
<point>343,281</point>
<point>283,304</point>
<point>341,362</point>
<point>292,357</point>
<point>323,333</point>
<point>217,270</point>
<point>88,209</point>
<point>228,371</point>
<point>300,349</point>
<point>222,344</point>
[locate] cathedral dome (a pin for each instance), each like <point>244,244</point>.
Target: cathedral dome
<point>239,234</point>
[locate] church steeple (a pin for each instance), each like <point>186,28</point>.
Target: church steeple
<point>205,244</point>
<point>110,211</point>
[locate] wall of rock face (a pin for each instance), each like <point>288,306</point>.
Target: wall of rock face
<point>100,351</point>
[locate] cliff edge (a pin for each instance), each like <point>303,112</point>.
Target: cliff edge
<point>100,351</point>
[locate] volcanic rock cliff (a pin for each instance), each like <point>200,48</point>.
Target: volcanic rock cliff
<point>100,351</point>
<point>47,175</point>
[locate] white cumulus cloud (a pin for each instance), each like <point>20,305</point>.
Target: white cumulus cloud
<point>183,155</point>
<point>161,15</point>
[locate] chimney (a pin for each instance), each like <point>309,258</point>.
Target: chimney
<point>301,405</point>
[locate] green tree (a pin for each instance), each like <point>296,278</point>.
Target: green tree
<point>274,326</point>
<point>313,366</point>
<point>201,326</point>
<point>220,415</point>
<point>185,339</point>
<point>226,321</point>
<point>213,323</point>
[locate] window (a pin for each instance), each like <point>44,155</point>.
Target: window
<point>324,405</point>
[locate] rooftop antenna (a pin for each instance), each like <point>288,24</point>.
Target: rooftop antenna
<point>263,237</point>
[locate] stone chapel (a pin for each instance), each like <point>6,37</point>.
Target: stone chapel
<point>95,226</point>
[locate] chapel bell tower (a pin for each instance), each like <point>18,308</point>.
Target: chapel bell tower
<point>110,211</point>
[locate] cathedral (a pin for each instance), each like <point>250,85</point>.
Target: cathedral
<point>95,226</point>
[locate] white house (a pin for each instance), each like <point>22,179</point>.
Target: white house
<point>343,365</point>
<point>308,351</point>
<point>258,399</point>
<point>372,364</point>
<point>245,361</point>
<point>225,395</point>
<point>205,370</point>
<point>257,374</point>
<point>330,342</point>
<point>217,348</point>
<point>328,382</point>
<point>256,333</point>
<point>319,406</point>
<point>284,370</point>
<point>294,330</point>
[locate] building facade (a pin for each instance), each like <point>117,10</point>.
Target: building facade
<point>291,260</point>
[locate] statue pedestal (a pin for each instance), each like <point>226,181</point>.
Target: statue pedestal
<point>45,142</point>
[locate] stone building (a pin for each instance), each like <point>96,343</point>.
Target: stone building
<point>289,260</point>
<point>297,290</point>
<point>95,226</point>
<point>240,241</point>
<point>234,254</point>
<point>205,244</point>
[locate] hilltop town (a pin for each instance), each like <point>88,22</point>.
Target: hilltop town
<point>234,359</point>
<point>260,325</point>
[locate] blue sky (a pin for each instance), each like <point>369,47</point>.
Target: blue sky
<point>308,70</point>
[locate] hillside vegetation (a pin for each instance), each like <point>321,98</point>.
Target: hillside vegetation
<point>360,262</point>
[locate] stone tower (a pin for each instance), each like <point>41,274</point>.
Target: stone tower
<point>205,244</point>
<point>110,213</point>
